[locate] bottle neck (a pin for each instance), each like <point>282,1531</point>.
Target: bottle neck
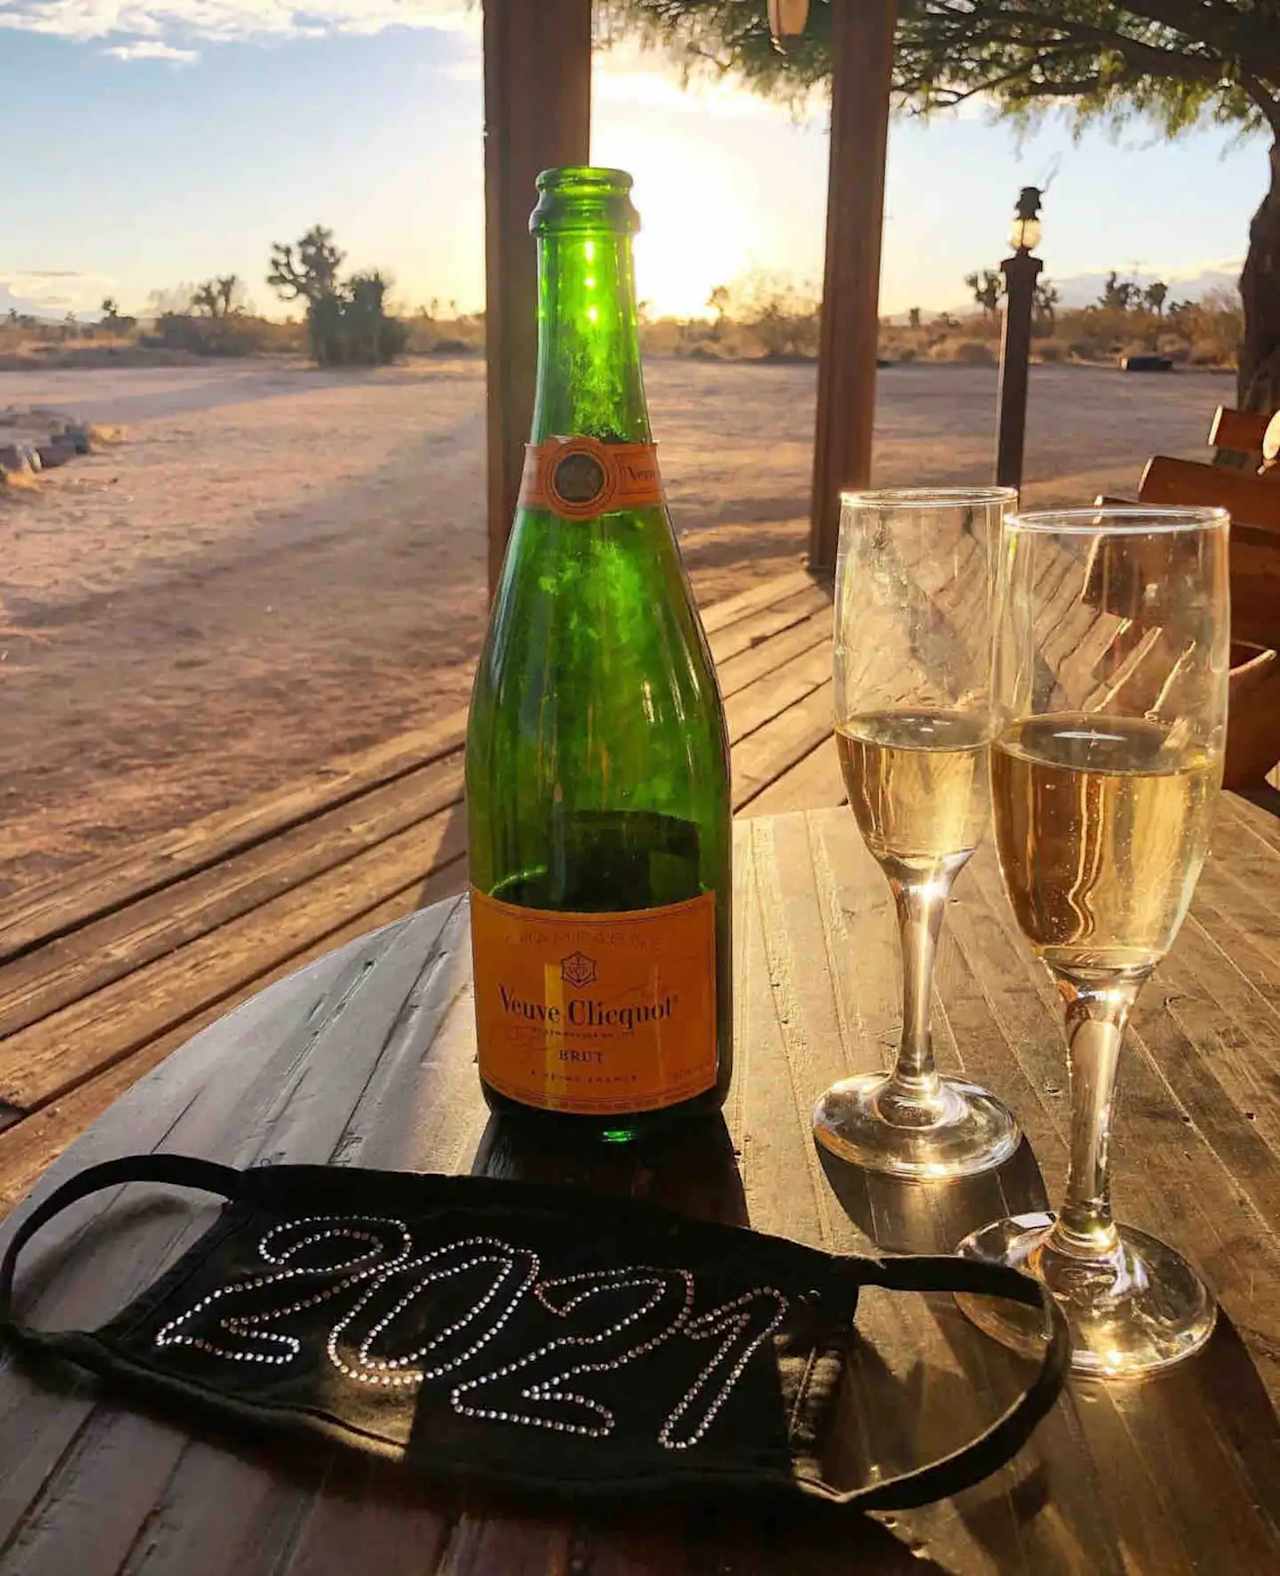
<point>589,378</point>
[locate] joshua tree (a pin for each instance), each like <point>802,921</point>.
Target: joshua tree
<point>110,309</point>
<point>346,321</point>
<point>718,301</point>
<point>1045,302</point>
<point>1154,295</point>
<point>987,287</point>
<point>913,317</point>
<point>1119,295</point>
<point>313,275</point>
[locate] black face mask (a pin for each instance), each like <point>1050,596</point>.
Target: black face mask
<point>518,1336</point>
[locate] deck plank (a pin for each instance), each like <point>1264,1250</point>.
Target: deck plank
<point>60,904</point>
<point>110,973</point>
<point>47,1058</point>
<point>42,982</point>
<point>103,976</point>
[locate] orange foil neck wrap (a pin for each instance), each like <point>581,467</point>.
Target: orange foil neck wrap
<point>581,478</point>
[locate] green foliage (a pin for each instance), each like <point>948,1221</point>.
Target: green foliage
<point>1172,63</point>
<point>1171,60</point>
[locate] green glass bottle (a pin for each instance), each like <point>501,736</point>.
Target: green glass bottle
<point>597,757</point>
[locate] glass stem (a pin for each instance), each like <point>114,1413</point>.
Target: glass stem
<point>921,906</point>
<point>1097,1012</point>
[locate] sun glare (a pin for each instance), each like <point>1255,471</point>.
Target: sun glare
<point>695,228</point>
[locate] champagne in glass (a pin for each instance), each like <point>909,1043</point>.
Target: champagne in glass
<point>917,782</point>
<point>1102,826</point>
<point>912,733</point>
<point>1110,704</point>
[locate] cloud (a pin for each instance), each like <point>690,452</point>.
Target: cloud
<point>178,24</point>
<point>151,49</point>
<point>52,292</point>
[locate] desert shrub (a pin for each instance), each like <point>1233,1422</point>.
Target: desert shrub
<point>1214,326</point>
<point>904,353</point>
<point>781,316</point>
<point>237,335</point>
<point>966,352</point>
<point>426,335</point>
<point>1049,351</point>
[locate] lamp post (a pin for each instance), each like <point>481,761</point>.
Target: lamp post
<point>1020,274</point>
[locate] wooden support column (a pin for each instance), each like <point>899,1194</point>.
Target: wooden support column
<point>537,113</point>
<point>862,63</point>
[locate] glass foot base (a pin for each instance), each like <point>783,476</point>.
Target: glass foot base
<point>1131,1314</point>
<point>945,1130</point>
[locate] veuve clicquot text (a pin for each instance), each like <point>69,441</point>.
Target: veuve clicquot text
<point>597,758</point>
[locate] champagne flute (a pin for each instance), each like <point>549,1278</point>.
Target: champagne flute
<point>1110,696</point>
<point>912,659</point>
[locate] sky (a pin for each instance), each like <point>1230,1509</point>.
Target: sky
<point>157,142</point>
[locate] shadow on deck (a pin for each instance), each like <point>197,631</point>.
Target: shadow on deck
<point>101,976</point>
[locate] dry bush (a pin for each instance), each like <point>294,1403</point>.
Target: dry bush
<point>455,336</point>
<point>779,315</point>
<point>236,334</point>
<point>1049,351</point>
<point>965,352</point>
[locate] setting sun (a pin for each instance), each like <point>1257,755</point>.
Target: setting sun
<point>696,232</point>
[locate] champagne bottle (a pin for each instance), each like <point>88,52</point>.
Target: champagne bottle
<point>597,757</point>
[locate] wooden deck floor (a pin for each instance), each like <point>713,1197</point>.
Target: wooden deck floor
<point>105,973</point>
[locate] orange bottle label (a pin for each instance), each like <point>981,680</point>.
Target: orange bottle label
<point>596,1013</point>
<point>580,478</point>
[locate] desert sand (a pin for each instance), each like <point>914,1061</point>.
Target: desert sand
<point>282,564</point>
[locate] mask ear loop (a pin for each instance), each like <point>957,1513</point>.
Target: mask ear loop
<point>961,1469</point>
<point>1001,1441</point>
<point>176,1170</point>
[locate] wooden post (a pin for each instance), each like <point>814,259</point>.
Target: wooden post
<point>537,113</point>
<point>862,64</point>
<point>1020,273</point>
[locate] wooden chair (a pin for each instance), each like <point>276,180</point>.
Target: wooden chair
<point>1238,432</point>
<point>1245,435</point>
<point>1253,733</point>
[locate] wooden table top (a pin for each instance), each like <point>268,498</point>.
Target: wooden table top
<point>367,1058</point>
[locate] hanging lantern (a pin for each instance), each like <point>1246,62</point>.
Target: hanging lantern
<point>787,19</point>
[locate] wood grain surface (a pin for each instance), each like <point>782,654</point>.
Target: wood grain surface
<point>366,1057</point>
<point>104,974</point>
